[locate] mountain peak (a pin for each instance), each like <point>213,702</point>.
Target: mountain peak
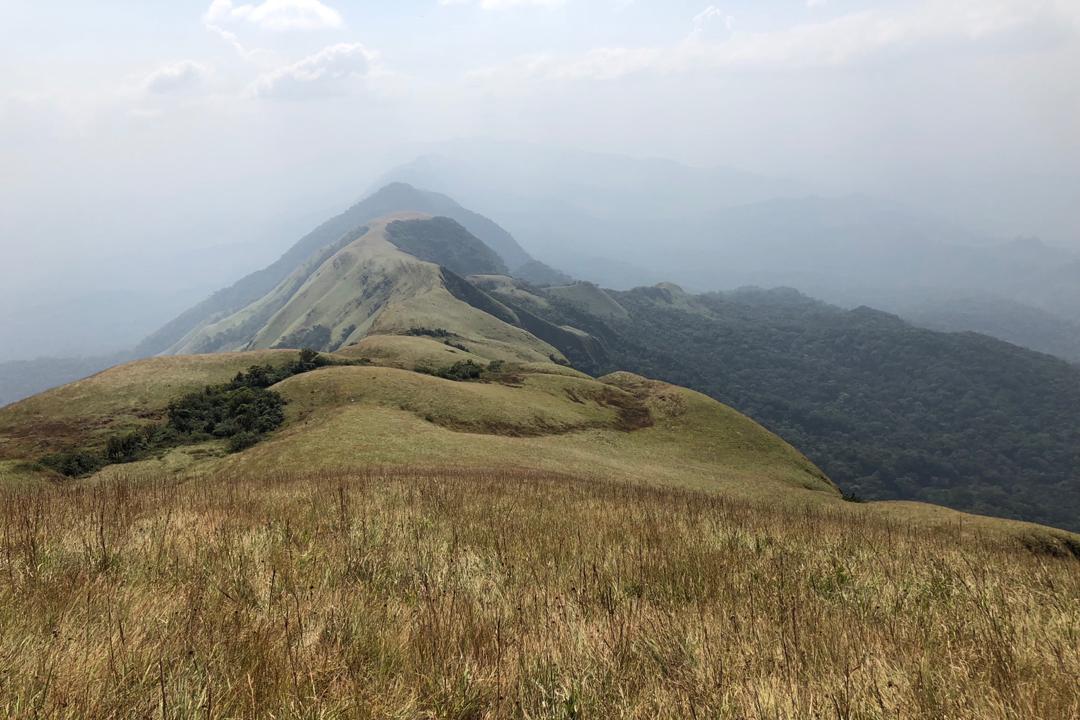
<point>401,274</point>
<point>388,200</point>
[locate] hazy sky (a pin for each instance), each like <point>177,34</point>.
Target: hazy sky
<point>136,132</point>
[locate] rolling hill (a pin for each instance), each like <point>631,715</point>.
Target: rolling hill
<point>437,517</point>
<point>889,411</point>
<point>409,306</point>
<point>393,276</point>
<point>393,198</point>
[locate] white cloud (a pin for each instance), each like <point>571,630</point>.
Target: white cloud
<point>502,4</point>
<point>176,77</point>
<point>709,14</point>
<point>274,14</point>
<point>826,43</point>
<point>327,72</point>
<point>712,14</point>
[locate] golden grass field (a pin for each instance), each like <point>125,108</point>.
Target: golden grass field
<point>538,545</point>
<point>402,593</point>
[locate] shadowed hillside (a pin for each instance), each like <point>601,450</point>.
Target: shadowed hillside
<point>890,411</point>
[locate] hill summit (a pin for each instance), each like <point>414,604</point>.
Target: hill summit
<point>393,198</point>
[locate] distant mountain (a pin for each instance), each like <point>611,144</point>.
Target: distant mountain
<point>624,222</point>
<point>20,379</point>
<point>1008,320</point>
<point>888,410</point>
<point>393,198</point>
<point>398,275</point>
<point>422,367</point>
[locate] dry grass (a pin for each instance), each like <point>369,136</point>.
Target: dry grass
<point>117,399</point>
<point>473,594</point>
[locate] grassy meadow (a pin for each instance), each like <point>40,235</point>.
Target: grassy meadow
<point>465,593</point>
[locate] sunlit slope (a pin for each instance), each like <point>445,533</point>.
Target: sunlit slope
<point>367,286</point>
<point>122,397</point>
<point>622,427</point>
<point>530,416</point>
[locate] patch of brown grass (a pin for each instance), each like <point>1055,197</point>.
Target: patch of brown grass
<point>483,594</point>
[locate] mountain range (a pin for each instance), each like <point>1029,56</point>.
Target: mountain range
<point>888,410</point>
<point>623,223</point>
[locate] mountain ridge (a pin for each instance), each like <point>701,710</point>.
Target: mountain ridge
<point>396,197</point>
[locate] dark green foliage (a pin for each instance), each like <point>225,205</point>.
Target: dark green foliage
<point>132,446</point>
<point>344,336</point>
<point>219,340</point>
<point>469,294</point>
<point>241,411</point>
<point>317,336</point>
<point>309,360</point>
<point>888,410</point>
<point>263,376</point>
<point>428,332</point>
<point>459,371</point>
<point>74,463</point>
<point>242,441</point>
<point>444,242</point>
<point>224,411</point>
<point>462,370</point>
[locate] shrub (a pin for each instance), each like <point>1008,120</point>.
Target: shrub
<point>241,411</point>
<point>318,336</point>
<point>428,332</point>
<point>224,411</point>
<point>73,463</point>
<point>242,441</point>
<point>462,370</point>
<point>123,448</point>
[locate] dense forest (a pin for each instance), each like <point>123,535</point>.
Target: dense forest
<point>888,410</point>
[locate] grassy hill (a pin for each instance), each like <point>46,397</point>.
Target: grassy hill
<point>391,199</point>
<point>365,284</point>
<point>530,543</point>
<point>390,407</point>
<point>395,410</point>
<point>439,521</point>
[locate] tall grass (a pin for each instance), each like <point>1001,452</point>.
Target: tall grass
<point>464,594</point>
